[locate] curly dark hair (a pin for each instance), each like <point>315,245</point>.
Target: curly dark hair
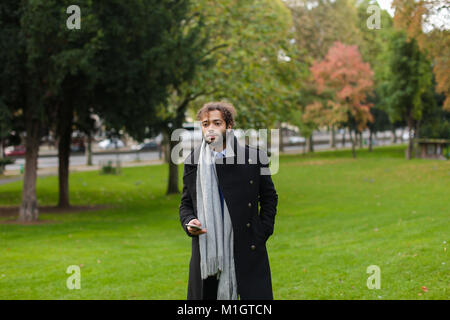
<point>226,109</point>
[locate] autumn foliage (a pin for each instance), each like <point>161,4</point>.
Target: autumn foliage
<point>350,79</point>
<point>411,16</point>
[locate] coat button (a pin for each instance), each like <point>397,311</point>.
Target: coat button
<point>251,181</point>
<point>249,204</point>
<point>248,225</point>
<point>249,160</point>
<point>253,247</point>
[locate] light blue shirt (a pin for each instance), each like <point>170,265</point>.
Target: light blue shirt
<point>220,154</point>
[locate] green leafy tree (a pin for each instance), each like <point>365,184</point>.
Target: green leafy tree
<point>248,59</point>
<point>409,79</point>
<point>119,65</point>
<point>435,121</point>
<point>251,44</point>
<point>374,47</point>
<point>318,25</point>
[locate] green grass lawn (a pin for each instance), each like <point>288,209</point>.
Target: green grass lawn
<point>336,216</point>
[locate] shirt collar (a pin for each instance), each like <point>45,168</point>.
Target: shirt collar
<point>222,152</point>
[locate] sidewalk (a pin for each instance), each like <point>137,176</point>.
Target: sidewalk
<point>14,175</point>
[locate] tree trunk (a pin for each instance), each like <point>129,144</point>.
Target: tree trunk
<point>417,129</point>
<point>370,140</point>
<point>352,139</point>
<point>281,144</point>
<point>165,146</point>
<point>305,145</point>
<point>173,173</point>
<point>360,140</point>
<point>409,152</point>
<point>29,207</point>
<point>65,118</point>
<point>88,151</point>
<point>343,139</point>
<point>333,138</point>
<point>2,167</point>
<point>160,150</point>
<point>2,151</point>
<point>310,143</point>
<point>394,136</point>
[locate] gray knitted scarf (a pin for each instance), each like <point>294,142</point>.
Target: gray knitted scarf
<point>216,245</point>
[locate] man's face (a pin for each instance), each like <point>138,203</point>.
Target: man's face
<point>213,127</point>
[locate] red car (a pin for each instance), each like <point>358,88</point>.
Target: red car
<point>15,151</point>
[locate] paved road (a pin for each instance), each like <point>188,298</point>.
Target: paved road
<point>8,180</point>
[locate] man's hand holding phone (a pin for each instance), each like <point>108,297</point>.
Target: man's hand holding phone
<point>195,227</point>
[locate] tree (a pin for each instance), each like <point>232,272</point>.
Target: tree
<point>435,121</point>
<point>419,19</point>
<point>375,50</point>
<point>244,61</point>
<point>319,24</point>
<point>380,119</point>
<point>26,76</point>
<point>343,72</point>
<point>69,74</point>
<point>253,58</point>
<point>190,54</point>
<point>120,65</point>
<point>409,79</point>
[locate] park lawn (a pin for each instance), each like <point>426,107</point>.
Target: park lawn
<point>336,216</point>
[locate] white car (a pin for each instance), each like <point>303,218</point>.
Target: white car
<point>405,135</point>
<point>111,144</point>
<point>296,139</point>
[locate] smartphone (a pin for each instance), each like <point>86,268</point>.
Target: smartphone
<point>194,226</point>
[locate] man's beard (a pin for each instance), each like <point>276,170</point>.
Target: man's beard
<point>219,141</point>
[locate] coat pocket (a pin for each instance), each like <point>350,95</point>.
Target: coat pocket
<point>259,230</point>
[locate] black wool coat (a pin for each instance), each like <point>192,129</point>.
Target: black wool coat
<point>243,188</point>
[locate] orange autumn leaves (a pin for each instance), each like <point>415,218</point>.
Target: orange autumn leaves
<point>343,73</point>
<point>412,16</point>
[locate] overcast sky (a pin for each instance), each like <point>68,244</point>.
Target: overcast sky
<point>440,20</point>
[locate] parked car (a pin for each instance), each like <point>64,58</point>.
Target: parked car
<point>405,135</point>
<point>111,144</point>
<point>15,151</point>
<point>296,139</point>
<point>77,145</point>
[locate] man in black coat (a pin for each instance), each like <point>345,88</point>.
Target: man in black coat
<point>243,186</point>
